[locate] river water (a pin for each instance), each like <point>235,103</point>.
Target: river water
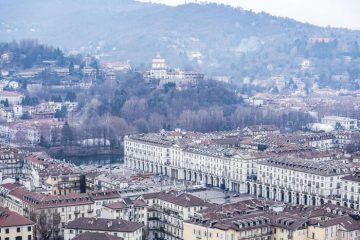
<point>95,159</point>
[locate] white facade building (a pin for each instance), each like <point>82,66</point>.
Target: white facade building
<point>158,68</point>
<point>13,98</point>
<point>300,181</point>
<point>346,123</point>
<point>118,228</point>
<point>222,167</point>
<point>160,71</point>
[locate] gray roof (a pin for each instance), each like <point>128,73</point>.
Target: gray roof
<point>96,236</point>
<point>325,168</point>
<point>104,224</point>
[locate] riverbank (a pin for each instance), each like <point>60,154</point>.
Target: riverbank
<point>83,155</point>
<point>94,159</point>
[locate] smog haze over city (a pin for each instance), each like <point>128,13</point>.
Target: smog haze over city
<point>174,119</point>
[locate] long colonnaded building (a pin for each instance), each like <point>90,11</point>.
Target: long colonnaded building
<point>288,178</point>
<point>226,168</point>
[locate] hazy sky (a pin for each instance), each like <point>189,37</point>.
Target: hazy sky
<point>336,13</point>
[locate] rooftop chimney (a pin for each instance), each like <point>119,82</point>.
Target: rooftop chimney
<point>109,224</point>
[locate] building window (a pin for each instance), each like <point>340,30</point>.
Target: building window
<point>7,230</point>
<point>18,229</point>
<point>29,237</point>
<point>29,229</point>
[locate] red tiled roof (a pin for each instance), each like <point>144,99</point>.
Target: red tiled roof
<point>11,186</point>
<point>9,219</point>
<point>34,159</point>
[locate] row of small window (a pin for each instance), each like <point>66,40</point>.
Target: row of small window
<point>209,234</point>
<point>18,238</point>
<point>7,230</point>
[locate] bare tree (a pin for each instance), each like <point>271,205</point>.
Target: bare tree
<point>47,224</point>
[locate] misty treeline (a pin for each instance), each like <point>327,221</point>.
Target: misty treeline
<point>112,109</point>
<point>129,105</point>
<point>28,53</point>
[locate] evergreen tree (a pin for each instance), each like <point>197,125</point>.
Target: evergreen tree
<point>71,67</point>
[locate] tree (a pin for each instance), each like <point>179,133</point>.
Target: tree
<point>355,50</point>
<point>58,114</point>
<point>118,101</point>
<point>47,223</point>
<point>142,125</point>
<point>71,67</point>
<point>30,101</point>
<point>25,115</point>
<point>70,96</point>
<point>169,86</point>
<point>43,142</point>
<point>67,135</point>
<point>5,103</point>
<point>133,109</point>
<point>338,126</point>
<point>61,114</point>
<point>57,98</point>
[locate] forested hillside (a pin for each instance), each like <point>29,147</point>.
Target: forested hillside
<point>216,39</point>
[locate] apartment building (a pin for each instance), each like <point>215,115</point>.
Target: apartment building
<point>61,179</point>
<point>254,219</point>
<point>350,190</point>
<point>118,228</point>
<point>260,130</point>
<point>70,206</point>
<point>227,168</point>
<point>13,98</point>
<point>167,211</point>
<point>14,226</point>
<point>102,198</point>
<point>344,122</point>
<point>126,209</point>
<point>300,181</point>
<point>11,162</point>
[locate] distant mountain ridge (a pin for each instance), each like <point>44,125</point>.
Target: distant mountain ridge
<point>208,37</point>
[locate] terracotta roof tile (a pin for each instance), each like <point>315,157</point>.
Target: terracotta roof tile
<point>9,219</point>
